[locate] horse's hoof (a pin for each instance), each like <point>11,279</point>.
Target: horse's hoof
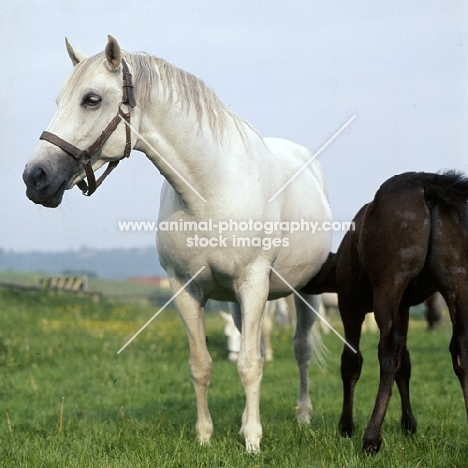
<point>303,419</point>
<point>304,411</point>
<point>304,415</point>
<point>204,431</point>
<point>371,446</point>
<point>252,446</point>
<point>204,441</point>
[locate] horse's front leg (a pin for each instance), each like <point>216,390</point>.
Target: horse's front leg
<point>192,315</point>
<point>251,294</point>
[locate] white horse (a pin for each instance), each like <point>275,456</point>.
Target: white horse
<point>278,307</point>
<point>222,177</point>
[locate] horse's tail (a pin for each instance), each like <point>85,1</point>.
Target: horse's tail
<point>450,187</point>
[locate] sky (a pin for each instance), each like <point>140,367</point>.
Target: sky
<point>293,69</point>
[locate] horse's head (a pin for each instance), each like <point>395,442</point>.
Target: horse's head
<point>74,145</point>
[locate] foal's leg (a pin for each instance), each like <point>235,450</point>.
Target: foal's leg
<point>303,347</point>
<point>192,315</point>
<point>351,362</point>
<point>252,293</point>
<point>449,263</point>
<point>402,378</point>
<point>433,312</point>
<point>458,307</point>
<point>391,346</point>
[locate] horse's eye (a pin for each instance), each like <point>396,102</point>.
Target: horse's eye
<point>91,100</point>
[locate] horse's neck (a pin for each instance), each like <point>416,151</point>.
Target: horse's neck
<point>188,154</point>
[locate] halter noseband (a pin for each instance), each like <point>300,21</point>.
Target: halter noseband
<point>84,157</point>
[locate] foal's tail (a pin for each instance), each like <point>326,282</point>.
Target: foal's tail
<point>450,187</point>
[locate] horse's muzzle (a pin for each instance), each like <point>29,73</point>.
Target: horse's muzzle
<point>41,187</point>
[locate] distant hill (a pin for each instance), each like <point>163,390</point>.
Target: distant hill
<point>107,264</point>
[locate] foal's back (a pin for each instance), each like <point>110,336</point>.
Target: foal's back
<point>414,234</point>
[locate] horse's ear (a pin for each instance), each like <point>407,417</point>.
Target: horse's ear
<point>113,53</point>
<point>75,55</point>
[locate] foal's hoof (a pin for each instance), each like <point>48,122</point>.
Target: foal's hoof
<point>409,426</point>
<point>346,428</point>
<point>371,446</point>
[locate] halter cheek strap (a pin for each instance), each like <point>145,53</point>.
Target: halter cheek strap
<point>84,156</point>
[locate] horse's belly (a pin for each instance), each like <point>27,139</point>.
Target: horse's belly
<point>292,264</point>
<point>301,260</point>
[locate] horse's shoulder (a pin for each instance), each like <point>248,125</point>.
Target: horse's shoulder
<point>281,146</point>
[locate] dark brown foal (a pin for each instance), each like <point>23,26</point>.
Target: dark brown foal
<point>408,243</point>
<point>433,311</point>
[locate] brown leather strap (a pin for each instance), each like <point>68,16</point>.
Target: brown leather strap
<point>128,134</point>
<point>106,133</point>
<point>67,147</point>
<point>84,157</point>
<point>91,186</point>
<point>110,167</point>
<point>83,186</point>
<point>128,97</point>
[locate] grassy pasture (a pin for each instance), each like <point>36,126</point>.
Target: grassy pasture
<point>68,400</point>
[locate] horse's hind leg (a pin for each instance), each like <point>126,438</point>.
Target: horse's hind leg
<point>192,315</point>
<point>267,328</point>
<point>458,307</point>
<point>449,262</point>
<point>303,348</point>
<point>433,312</point>
<point>402,378</point>
<point>351,361</point>
<point>391,346</point>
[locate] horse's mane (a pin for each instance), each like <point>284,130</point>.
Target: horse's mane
<point>152,75</point>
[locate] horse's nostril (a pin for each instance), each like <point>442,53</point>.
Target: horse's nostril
<point>39,173</point>
<point>40,178</point>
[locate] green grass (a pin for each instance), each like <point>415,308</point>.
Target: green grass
<point>67,399</point>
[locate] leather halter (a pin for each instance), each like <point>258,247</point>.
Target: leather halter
<point>84,156</point>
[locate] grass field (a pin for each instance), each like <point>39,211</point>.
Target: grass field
<point>67,399</point>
